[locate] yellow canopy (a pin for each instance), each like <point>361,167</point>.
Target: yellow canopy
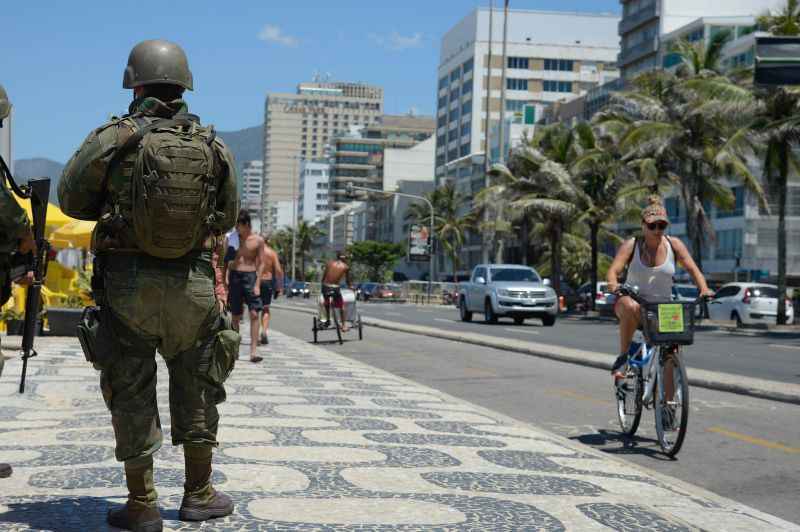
<point>55,217</point>
<point>75,234</point>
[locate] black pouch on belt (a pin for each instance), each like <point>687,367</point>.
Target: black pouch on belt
<point>94,339</point>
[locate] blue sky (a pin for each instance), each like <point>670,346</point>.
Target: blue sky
<point>62,62</point>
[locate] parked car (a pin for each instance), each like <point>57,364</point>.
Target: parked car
<point>499,290</point>
<point>687,293</point>
<point>388,291</point>
<point>748,304</point>
<point>299,289</point>
<point>604,300</point>
<point>367,291</point>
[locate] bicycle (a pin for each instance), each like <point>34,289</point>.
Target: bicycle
<point>666,326</point>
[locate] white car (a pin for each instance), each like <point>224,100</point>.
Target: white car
<point>748,304</point>
<point>604,300</point>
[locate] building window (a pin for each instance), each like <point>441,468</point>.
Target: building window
<point>515,84</point>
<point>467,66</point>
<point>467,88</point>
<point>442,102</point>
<point>466,108</point>
<point>454,94</point>
<point>454,75</point>
<point>557,86</point>
<point>518,62</point>
<point>466,129</point>
<point>564,65</point>
<point>729,244</point>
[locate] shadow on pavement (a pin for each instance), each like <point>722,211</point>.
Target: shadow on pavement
<point>625,444</point>
<point>59,514</point>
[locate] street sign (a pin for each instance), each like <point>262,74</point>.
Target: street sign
<point>419,243</point>
<point>777,60</point>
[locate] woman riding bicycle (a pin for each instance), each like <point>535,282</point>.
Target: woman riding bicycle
<point>652,261</point>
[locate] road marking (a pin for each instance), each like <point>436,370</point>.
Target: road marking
<point>784,346</point>
<point>575,395</point>
<point>755,441</point>
<point>444,320</point>
<point>517,329</point>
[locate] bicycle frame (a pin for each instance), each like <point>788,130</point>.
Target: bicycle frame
<point>643,360</point>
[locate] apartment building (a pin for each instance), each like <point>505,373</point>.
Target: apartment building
<point>645,23</point>
<point>550,57</point>
<point>252,186</point>
<point>298,126</point>
<point>359,157</point>
<point>313,197</point>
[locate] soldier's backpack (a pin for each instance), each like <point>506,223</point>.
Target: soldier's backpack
<point>173,184</point>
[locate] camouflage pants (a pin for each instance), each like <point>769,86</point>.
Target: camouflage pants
<point>169,306</point>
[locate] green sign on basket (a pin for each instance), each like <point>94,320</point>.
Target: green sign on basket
<point>670,318</point>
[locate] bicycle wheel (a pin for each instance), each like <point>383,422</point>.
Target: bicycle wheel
<point>629,401</point>
<point>672,417</point>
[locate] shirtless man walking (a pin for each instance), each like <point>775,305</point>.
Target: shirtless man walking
<point>335,270</point>
<point>243,273</point>
<point>271,276</point>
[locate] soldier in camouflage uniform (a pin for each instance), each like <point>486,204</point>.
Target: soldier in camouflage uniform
<point>15,234</point>
<point>155,303</point>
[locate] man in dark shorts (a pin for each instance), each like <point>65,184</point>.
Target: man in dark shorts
<point>272,276</point>
<point>335,270</point>
<point>242,276</point>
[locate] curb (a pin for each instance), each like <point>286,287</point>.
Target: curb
<point>724,382</point>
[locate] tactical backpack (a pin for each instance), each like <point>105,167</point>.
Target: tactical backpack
<point>173,184</point>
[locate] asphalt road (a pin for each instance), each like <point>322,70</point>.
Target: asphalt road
<point>770,358</point>
<point>743,448</point>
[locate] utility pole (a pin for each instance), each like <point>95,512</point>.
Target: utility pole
<point>500,134</point>
<point>486,143</point>
<point>294,215</point>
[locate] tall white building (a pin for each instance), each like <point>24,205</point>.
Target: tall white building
<point>313,198</point>
<point>299,126</point>
<point>550,56</point>
<point>645,23</point>
<point>282,215</point>
<point>252,187</point>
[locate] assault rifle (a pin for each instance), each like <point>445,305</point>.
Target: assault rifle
<point>38,191</point>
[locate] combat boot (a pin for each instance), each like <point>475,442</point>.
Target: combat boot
<point>5,469</point>
<point>201,502</point>
<point>140,513</point>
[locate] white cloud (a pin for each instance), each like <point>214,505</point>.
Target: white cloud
<point>395,41</point>
<point>272,33</point>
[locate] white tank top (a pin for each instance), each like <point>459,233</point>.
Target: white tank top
<point>656,282</point>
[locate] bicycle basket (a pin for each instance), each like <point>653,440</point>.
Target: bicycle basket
<point>668,322</point>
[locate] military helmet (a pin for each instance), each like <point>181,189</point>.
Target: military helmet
<point>5,104</point>
<point>157,61</point>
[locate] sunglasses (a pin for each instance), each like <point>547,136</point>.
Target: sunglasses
<point>657,225</point>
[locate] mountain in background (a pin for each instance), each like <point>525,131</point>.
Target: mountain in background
<point>246,144</point>
<point>24,169</point>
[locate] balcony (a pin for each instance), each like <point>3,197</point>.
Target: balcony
<point>629,55</point>
<point>643,15</point>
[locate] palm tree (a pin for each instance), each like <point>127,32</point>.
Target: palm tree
<point>281,242</point>
<point>306,235</point>
<point>450,225</point>
<point>544,189</point>
<point>684,131</point>
<point>698,57</point>
<point>786,21</point>
<point>604,180</point>
<point>777,131</point>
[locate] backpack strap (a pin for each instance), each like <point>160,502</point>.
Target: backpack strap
<point>674,255</point>
<point>635,243</point>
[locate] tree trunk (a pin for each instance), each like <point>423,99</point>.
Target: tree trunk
<point>555,258</point>
<point>782,179</point>
<point>594,228</point>
<point>525,240</point>
<point>498,257</point>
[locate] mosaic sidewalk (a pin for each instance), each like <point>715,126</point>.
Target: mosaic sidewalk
<point>315,441</point>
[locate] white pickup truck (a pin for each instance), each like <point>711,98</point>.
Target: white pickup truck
<point>499,290</point>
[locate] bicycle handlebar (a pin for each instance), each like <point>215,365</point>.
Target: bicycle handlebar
<point>633,292</point>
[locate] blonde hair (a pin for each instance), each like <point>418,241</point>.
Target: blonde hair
<point>655,206</point>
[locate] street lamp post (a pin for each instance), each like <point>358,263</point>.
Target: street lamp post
<point>351,188</point>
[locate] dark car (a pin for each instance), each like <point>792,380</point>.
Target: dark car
<point>367,291</point>
<point>299,289</point>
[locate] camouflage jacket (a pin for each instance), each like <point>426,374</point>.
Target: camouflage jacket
<point>13,220</point>
<point>81,191</point>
